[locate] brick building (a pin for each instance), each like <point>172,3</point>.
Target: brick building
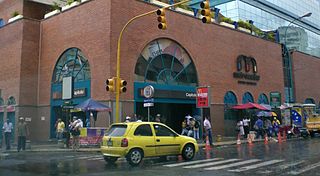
<point>81,43</point>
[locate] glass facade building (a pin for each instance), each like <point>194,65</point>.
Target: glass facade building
<point>281,16</point>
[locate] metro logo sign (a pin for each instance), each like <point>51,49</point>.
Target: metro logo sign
<point>203,97</point>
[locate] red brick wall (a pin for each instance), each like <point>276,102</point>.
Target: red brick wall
<point>306,73</point>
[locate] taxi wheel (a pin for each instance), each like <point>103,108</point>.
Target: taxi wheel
<point>110,160</point>
<point>188,152</point>
<point>134,157</point>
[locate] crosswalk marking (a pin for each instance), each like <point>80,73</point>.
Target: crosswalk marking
<point>191,162</point>
<point>304,169</point>
<point>256,165</point>
<point>211,163</point>
<point>282,167</point>
<point>232,165</point>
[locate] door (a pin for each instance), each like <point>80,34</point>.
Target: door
<point>143,137</point>
<point>167,142</point>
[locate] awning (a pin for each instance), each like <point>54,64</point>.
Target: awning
<point>249,106</point>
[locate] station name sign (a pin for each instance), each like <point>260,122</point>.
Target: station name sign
<point>246,70</point>
<point>170,94</point>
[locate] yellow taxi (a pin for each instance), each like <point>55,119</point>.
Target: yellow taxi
<point>136,140</point>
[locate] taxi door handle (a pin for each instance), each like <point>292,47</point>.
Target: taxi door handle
<point>158,140</point>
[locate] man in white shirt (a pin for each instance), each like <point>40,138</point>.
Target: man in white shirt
<point>208,129</point>
<point>7,128</point>
<point>246,122</point>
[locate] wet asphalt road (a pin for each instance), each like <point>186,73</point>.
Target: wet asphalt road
<point>296,157</point>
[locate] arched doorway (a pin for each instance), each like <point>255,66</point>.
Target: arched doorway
<point>309,101</point>
<point>74,65</point>
<point>166,65</point>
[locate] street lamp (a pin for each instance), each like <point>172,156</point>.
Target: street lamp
<point>290,88</point>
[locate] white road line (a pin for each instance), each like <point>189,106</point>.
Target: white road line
<point>300,171</point>
<point>191,162</point>
<point>256,166</point>
<point>281,167</point>
<point>99,158</point>
<point>232,164</point>
<point>86,157</point>
<point>210,164</point>
<point>286,166</point>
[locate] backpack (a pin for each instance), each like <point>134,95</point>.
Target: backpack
<point>197,125</point>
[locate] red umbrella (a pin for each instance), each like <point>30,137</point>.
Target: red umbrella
<point>249,106</point>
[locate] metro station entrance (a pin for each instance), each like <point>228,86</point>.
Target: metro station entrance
<point>168,68</point>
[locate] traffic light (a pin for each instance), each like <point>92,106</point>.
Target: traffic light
<point>122,86</point>
<point>161,19</point>
<point>111,84</point>
<point>205,12</point>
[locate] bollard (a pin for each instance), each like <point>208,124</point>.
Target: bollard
<point>219,138</point>
<point>28,144</point>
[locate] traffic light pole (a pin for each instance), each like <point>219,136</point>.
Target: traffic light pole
<point>118,53</point>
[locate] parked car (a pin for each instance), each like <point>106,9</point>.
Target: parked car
<point>136,140</point>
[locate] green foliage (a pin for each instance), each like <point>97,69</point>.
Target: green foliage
<point>244,24</point>
<point>15,13</point>
<point>55,6</point>
<point>226,20</point>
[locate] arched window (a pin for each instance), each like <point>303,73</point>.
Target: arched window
<point>309,101</point>
<point>164,61</point>
<point>247,97</point>
<point>72,63</point>
<point>263,99</point>
<point>230,98</point>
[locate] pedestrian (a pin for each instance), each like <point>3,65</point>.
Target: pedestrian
<point>258,126</point>
<point>158,118</point>
<point>60,129</point>
<point>128,119</point>
<point>192,124</point>
<point>276,125</point>
<point>23,132</point>
<point>184,127</point>
<point>196,129</point>
<point>268,126</point>
<point>7,129</point>
<point>75,128</point>
<point>240,127</point>
<point>246,126</point>
<point>208,129</point>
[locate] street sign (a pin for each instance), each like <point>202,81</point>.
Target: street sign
<point>148,104</point>
<point>203,97</point>
<point>149,100</point>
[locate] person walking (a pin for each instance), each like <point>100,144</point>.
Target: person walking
<point>7,128</point>
<point>22,134</point>
<point>60,129</point>
<point>75,127</point>
<point>240,127</point>
<point>208,129</point>
<point>246,125</point>
<point>196,129</point>
<point>258,126</point>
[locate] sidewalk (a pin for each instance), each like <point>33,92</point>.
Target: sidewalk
<point>53,146</point>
